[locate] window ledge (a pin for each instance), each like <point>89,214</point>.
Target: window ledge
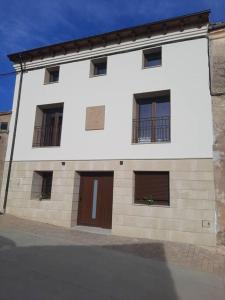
<point>40,200</point>
<point>39,147</point>
<point>150,143</point>
<point>100,75</point>
<point>47,83</point>
<point>157,66</point>
<point>47,199</point>
<point>137,204</point>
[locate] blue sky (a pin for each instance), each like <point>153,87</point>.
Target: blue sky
<point>26,24</point>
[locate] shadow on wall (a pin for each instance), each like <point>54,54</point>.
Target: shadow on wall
<point>81,272</point>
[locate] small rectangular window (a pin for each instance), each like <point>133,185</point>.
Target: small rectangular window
<point>98,67</point>
<point>152,58</point>
<point>3,126</point>
<point>51,75</point>
<point>152,188</point>
<point>42,185</point>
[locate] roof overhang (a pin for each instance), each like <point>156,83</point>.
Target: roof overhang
<point>181,23</point>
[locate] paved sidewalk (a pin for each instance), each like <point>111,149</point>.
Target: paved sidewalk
<point>202,259</point>
<point>40,261</point>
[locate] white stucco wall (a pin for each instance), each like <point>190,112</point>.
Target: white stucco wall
<point>184,71</point>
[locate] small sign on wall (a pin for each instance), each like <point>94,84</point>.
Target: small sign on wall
<point>95,118</point>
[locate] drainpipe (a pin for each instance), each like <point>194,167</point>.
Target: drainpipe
<point>14,136</point>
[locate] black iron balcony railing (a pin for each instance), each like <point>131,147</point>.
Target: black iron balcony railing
<point>149,130</point>
<point>47,136</point>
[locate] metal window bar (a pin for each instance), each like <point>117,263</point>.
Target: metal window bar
<point>149,130</point>
<point>46,185</point>
<point>47,136</point>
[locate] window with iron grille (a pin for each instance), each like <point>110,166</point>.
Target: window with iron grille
<point>48,125</point>
<point>151,122</point>
<point>152,188</point>
<point>42,185</point>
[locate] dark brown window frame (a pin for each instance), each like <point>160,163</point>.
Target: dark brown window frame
<point>165,121</point>
<point>48,70</point>
<point>94,63</point>
<point>45,135</point>
<point>7,126</point>
<point>42,185</point>
<point>149,52</point>
<point>150,201</point>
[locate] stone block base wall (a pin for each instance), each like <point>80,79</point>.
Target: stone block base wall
<point>190,217</point>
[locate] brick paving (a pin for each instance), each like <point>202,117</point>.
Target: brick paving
<point>210,260</point>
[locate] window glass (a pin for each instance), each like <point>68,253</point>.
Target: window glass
<point>162,108</point>
<point>3,126</point>
<point>144,128</point>
<point>152,123</point>
<point>54,76</point>
<point>48,125</point>
<point>100,68</point>
<point>152,58</point>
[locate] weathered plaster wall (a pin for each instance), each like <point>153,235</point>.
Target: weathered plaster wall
<point>217,58</point>
<point>217,66</point>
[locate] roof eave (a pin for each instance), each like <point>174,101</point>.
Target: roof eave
<point>75,45</point>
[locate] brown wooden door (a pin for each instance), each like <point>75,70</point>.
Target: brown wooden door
<point>95,199</point>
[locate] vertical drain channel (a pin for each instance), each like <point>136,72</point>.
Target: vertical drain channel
<point>94,199</point>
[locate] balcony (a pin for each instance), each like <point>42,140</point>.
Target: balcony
<point>151,130</point>
<point>47,136</point>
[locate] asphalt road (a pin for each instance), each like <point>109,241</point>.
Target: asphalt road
<point>35,266</point>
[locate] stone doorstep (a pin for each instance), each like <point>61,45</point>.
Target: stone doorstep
<point>90,229</point>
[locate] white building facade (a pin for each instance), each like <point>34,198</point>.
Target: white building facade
<point>115,131</point>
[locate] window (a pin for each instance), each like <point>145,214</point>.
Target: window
<point>3,126</point>
<point>152,188</point>
<point>151,121</point>
<point>48,125</point>
<point>152,58</point>
<point>51,75</point>
<point>98,67</point>
<point>42,185</point>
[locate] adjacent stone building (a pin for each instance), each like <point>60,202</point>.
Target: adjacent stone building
<point>217,72</point>
<point>4,131</point>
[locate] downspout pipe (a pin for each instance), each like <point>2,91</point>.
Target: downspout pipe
<point>14,136</point>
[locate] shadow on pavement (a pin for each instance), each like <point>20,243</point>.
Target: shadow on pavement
<point>5,243</point>
<point>81,272</point>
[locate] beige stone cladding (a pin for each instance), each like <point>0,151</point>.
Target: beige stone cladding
<point>189,218</point>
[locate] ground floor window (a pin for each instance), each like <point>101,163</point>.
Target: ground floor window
<point>42,185</point>
<point>151,188</point>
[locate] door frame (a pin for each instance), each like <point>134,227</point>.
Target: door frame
<point>93,174</point>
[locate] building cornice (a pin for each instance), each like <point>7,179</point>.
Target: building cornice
<point>122,47</point>
<point>115,38</point>
<point>217,34</point>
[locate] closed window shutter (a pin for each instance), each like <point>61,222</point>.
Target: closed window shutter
<point>152,184</point>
